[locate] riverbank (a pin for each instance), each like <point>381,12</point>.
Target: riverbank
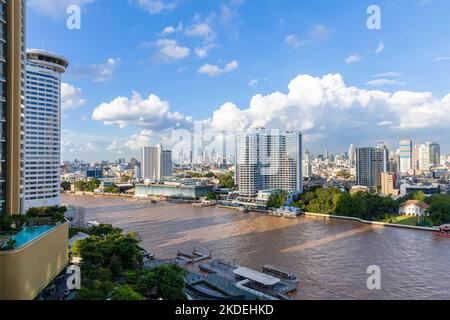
<point>375,223</point>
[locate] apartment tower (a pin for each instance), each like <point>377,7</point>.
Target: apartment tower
<point>43,128</point>
<point>12,58</point>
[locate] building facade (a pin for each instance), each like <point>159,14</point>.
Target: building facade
<point>269,159</point>
<point>406,155</point>
<point>370,163</point>
<point>43,128</point>
<point>152,163</point>
<point>167,164</point>
<point>429,155</point>
<point>12,61</point>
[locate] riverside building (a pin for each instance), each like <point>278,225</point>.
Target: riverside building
<point>43,128</point>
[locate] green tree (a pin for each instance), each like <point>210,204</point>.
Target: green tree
<point>439,210</point>
<point>227,181</point>
<point>277,199</point>
<point>124,293</point>
<point>166,281</point>
<point>111,189</point>
<point>65,185</point>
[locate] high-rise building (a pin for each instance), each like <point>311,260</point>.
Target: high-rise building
<point>406,155</point>
<point>43,128</point>
<point>12,61</point>
<point>156,163</point>
<point>415,157</point>
<point>351,155</point>
<point>167,164</point>
<point>370,163</point>
<point>429,155</point>
<point>269,159</point>
<point>152,163</point>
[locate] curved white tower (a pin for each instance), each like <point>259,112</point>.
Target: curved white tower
<point>43,128</point>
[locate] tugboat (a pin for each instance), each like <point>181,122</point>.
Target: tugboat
<point>444,231</point>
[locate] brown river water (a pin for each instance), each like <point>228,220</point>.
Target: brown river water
<point>330,257</point>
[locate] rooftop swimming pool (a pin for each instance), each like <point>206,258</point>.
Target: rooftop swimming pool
<point>29,234</point>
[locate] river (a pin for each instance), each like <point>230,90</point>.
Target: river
<point>330,257</point>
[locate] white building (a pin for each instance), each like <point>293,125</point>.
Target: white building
<point>156,163</point>
<point>151,164</point>
<point>413,208</point>
<point>43,128</point>
<point>429,155</point>
<point>269,159</point>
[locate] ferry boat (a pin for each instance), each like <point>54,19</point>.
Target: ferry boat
<point>281,274</point>
<point>444,231</point>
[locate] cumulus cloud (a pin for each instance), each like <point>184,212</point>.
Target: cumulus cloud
<point>55,8</point>
<point>313,104</point>
<point>214,70</point>
<point>140,140</point>
<point>71,97</point>
<point>149,113</point>
<point>170,51</point>
<point>155,6</point>
<point>99,72</point>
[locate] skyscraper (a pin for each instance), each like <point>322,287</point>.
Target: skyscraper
<point>429,155</point>
<point>406,155</point>
<point>370,163</point>
<point>12,59</point>
<point>43,128</point>
<point>152,163</point>
<point>167,164</point>
<point>268,159</point>
<point>156,163</point>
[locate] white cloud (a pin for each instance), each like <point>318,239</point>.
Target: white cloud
<point>155,6</point>
<point>71,97</point>
<point>55,8</point>
<point>99,72</point>
<point>213,70</point>
<point>293,41</point>
<point>380,48</point>
<point>169,50</point>
<point>353,58</point>
<point>150,113</point>
<point>140,140</point>
<point>383,82</point>
<point>253,82</point>
<point>390,74</point>
<point>202,52</point>
<point>201,29</point>
<point>314,103</point>
<point>171,29</point>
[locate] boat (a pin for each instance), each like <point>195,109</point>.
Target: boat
<point>281,274</point>
<point>243,210</point>
<point>444,231</point>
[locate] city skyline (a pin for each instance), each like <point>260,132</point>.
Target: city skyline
<point>170,65</point>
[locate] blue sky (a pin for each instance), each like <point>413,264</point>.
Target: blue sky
<point>229,64</point>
